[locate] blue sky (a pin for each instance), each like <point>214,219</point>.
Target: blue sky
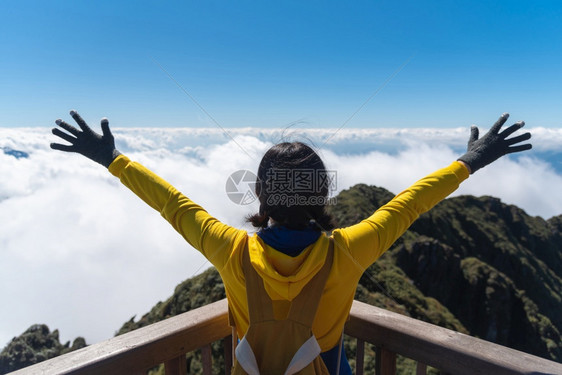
<point>269,64</point>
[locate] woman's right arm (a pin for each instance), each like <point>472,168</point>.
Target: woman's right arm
<point>370,238</point>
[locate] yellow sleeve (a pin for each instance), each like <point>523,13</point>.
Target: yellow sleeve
<point>370,238</point>
<point>212,238</point>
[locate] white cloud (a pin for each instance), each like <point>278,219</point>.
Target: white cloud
<point>530,183</point>
<point>82,254</point>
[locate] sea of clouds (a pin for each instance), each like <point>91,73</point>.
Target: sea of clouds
<point>81,253</point>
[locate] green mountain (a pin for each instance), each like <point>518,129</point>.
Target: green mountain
<point>35,345</point>
<point>474,265</point>
<point>495,268</point>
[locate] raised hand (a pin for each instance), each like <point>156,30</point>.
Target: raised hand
<point>494,144</point>
<point>99,148</point>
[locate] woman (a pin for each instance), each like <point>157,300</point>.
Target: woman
<point>291,245</point>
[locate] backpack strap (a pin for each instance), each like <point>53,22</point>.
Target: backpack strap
<point>262,308</point>
<point>234,333</point>
<point>305,305</point>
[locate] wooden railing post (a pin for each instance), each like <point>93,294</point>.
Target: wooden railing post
<point>227,344</point>
<point>421,369</point>
<point>385,362</point>
<point>207,360</point>
<point>360,357</point>
<point>176,366</point>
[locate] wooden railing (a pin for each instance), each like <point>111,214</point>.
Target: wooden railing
<point>168,341</point>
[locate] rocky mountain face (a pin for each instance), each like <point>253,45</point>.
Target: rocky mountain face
<point>506,286</point>
<point>495,268</point>
<point>474,265</point>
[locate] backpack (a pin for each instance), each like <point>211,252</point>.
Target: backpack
<point>283,347</point>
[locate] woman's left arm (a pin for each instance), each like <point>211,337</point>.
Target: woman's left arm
<point>214,239</point>
<point>211,237</point>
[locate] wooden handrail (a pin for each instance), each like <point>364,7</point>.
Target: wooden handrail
<point>168,341</point>
<point>449,351</point>
<point>137,351</point>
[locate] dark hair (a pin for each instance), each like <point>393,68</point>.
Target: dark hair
<point>281,199</point>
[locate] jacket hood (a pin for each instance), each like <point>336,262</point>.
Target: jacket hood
<point>284,276</point>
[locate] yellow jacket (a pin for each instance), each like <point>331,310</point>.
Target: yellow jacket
<point>356,247</point>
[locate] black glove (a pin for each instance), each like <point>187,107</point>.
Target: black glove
<point>99,148</point>
<point>493,144</point>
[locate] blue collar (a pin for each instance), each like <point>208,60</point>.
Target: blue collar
<point>289,241</point>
